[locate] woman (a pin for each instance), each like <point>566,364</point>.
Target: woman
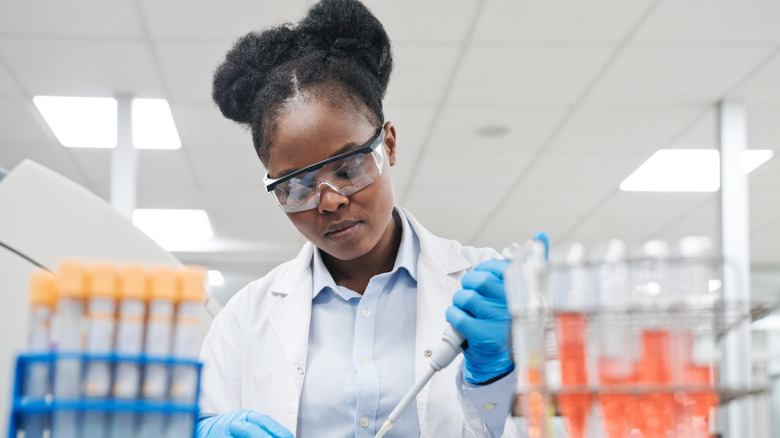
<point>328,343</point>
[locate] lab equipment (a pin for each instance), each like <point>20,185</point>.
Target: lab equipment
<point>42,297</point>
<point>100,340</point>
<point>67,370</point>
<point>80,403</point>
<point>573,298</point>
<point>480,314</point>
<point>528,308</point>
<point>46,217</point>
<point>157,344</point>
<point>452,343</point>
<point>240,422</point>
<point>186,346</point>
<point>639,342</point>
<point>133,293</point>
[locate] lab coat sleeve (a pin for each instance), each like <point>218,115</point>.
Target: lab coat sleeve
<point>221,356</point>
<point>487,407</point>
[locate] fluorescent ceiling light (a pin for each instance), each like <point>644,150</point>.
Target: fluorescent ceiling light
<point>153,126</point>
<point>215,277</point>
<point>686,170</point>
<point>174,229</point>
<point>80,122</point>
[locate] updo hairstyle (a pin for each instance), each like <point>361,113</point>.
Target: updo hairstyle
<point>339,52</point>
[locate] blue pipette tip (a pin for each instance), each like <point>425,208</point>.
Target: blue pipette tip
<point>542,237</point>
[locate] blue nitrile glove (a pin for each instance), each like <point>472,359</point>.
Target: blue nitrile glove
<point>241,423</point>
<point>480,314</point>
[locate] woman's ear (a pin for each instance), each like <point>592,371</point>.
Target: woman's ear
<point>390,137</point>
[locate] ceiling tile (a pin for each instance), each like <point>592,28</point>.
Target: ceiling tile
<point>458,129</point>
<point>420,73</point>
<point>763,87</point>
<point>530,210</point>
<point>603,21</point>
<point>701,134</point>
<point>8,87</point>
<point>92,18</point>
<point>170,197</point>
<point>766,179</point>
<point>202,127</point>
<point>188,68</point>
<point>703,21</point>
<point>693,75</point>
<point>82,68</point>
<point>218,169</point>
<point>95,163</point>
<point>700,219</point>
<point>20,127</point>
<point>429,21</point>
<point>451,213</point>
<point>526,75</point>
<point>763,246</point>
<point>632,215</point>
<point>449,171</point>
<point>165,168</point>
<point>764,128</point>
<point>226,20</point>
<point>563,170</point>
<point>622,129</point>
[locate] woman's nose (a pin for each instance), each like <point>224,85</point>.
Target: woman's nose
<point>330,197</point>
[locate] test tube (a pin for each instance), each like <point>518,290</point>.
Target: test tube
<point>67,373</point>
<point>36,385</point>
<point>695,342</point>
<point>101,304</point>
<point>186,345</point>
<point>653,280</point>
<point>617,355</point>
<point>133,293</point>
<point>158,346</point>
<point>528,309</point>
<point>573,298</point>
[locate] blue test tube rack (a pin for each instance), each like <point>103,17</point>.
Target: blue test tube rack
<point>24,406</point>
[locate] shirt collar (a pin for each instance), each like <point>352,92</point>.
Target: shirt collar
<point>408,254</point>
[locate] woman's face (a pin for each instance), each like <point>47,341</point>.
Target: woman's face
<point>345,227</point>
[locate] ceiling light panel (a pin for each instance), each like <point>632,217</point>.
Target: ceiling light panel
<point>153,125</point>
<point>80,122</point>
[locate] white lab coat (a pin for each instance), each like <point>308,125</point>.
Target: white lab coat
<point>255,352</point>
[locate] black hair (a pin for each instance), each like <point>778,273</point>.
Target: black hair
<point>338,52</point>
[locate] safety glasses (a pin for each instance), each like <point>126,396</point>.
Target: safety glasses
<point>345,173</point>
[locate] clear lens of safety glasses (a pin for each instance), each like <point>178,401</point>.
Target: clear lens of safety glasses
<point>349,173</point>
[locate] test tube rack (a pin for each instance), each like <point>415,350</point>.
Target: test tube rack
<point>24,406</point>
<point>542,392</point>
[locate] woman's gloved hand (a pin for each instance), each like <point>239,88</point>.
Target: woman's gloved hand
<point>241,423</point>
<point>480,314</point>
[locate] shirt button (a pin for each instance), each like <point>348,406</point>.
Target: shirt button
<point>365,361</point>
<point>366,313</point>
<point>364,422</point>
<point>489,406</point>
<point>300,370</point>
<point>427,353</point>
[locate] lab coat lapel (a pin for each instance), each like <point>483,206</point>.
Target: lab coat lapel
<point>439,267</point>
<point>291,316</point>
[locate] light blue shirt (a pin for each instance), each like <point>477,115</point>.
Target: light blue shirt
<point>360,357</point>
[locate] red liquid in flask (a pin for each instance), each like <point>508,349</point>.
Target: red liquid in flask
<point>615,375</point>
<point>704,396</point>
<point>570,334</point>
<point>657,407</point>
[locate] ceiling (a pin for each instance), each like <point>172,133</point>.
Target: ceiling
<point>584,92</point>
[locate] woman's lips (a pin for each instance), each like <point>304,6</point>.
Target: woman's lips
<point>343,231</point>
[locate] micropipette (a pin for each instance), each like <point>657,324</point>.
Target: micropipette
<point>452,343</point>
